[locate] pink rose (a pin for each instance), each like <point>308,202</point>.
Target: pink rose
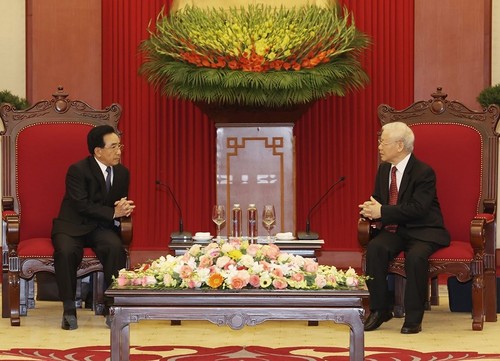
<point>236,242</point>
<point>352,281</point>
<point>310,266</point>
<point>298,277</point>
<point>280,283</point>
<point>265,265</point>
<point>320,281</point>
<point>277,272</point>
<point>222,261</point>
<point>240,279</point>
<point>331,279</point>
<point>122,281</point>
<point>148,281</point>
<point>238,283</point>
<point>272,251</point>
<point>193,284</point>
<point>185,271</point>
<point>214,253</point>
<point>253,249</point>
<point>254,281</point>
<point>205,261</point>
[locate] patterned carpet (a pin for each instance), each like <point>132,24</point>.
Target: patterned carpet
<point>239,353</point>
<point>446,336</point>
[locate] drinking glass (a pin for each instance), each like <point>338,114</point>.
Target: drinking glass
<point>268,218</point>
<point>219,217</point>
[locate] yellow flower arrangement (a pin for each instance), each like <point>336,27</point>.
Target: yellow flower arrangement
<point>246,55</point>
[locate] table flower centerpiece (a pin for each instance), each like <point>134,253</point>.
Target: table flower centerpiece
<point>236,264</point>
<point>255,56</point>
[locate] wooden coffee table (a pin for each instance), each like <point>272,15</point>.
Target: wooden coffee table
<point>236,309</point>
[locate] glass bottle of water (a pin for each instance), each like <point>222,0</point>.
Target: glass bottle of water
<point>236,220</point>
<point>252,222</point>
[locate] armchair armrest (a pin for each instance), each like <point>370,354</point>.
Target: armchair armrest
<point>126,230</point>
<point>482,229</point>
<point>367,229</point>
<point>363,232</point>
<point>7,203</point>
<point>490,206</point>
<point>12,221</point>
<point>482,233</point>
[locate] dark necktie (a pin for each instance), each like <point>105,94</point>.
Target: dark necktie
<point>393,197</point>
<point>393,190</point>
<point>108,178</point>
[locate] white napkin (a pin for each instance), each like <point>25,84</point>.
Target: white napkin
<point>285,235</point>
<point>202,234</point>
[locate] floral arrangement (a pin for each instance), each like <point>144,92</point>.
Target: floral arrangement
<point>257,56</point>
<point>236,264</point>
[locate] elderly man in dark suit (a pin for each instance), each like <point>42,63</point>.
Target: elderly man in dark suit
<point>406,204</point>
<point>96,195</point>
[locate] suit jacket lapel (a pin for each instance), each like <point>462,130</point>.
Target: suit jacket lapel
<point>385,182</point>
<point>406,178</point>
<point>97,173</point>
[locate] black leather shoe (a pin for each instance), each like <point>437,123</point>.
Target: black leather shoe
<point>376,318</point>
<point>69,322</point>
<point>411,328</point>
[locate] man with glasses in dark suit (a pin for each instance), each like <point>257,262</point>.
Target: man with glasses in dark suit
<point>405,202</point>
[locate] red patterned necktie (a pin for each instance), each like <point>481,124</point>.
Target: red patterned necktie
<point>393,190</point>
<point>393,197</point>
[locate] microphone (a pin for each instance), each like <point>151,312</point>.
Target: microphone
<point>180,235</point>
<point>308,235</point>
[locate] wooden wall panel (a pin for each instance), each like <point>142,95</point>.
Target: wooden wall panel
<point>495,43</point>
<point>452,48</point>
<point>63,42</point>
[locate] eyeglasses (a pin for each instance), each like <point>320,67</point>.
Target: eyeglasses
<point>115,146</point>
<point>384,143</point>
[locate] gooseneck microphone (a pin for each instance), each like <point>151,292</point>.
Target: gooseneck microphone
<point>180,235</point>
<point>308,235</point>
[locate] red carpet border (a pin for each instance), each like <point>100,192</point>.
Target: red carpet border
<point>239,353</point>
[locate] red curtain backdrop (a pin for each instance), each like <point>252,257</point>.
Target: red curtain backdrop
<point>174,142</point>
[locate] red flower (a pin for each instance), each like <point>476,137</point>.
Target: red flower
<point>306,64</point>
<point>233,65</point>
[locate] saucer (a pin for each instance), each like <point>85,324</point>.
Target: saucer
<point>285,236</point>
<point>202,238</point>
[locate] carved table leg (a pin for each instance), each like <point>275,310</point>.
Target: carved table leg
<point>120,335</point>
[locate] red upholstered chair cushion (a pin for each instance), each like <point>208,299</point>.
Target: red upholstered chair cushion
<point>458,251</point>
<point>42,248</point>
<point>41,176</point>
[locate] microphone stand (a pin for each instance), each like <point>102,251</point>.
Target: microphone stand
<point>181,235</point>
<point>308,235</point>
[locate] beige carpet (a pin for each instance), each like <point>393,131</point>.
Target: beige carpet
<point>442,331</point>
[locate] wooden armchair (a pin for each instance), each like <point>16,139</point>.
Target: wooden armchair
<point>462,147</point>
<point>38,145</point>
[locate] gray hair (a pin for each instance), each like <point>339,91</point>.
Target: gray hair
<point>399,131</point>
